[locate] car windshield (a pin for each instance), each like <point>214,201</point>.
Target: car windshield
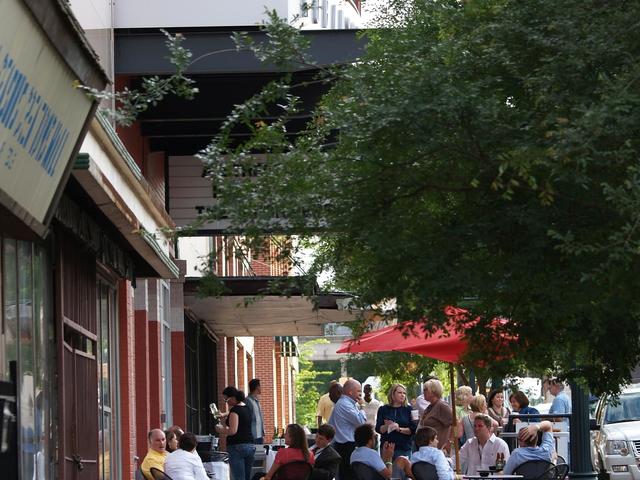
<point>627,409</point>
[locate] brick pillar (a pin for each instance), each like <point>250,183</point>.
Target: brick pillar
<point>155,357</point>
<point>232,370</point>
<point>223,370</point>
<point>142,401</point>
<point>126,357</point>
<point>287,393</point>
<point>280,419</point>
<point>178,371</point>
<point>240,368</point>
<point>264,369</point>
<point>294,379</point>
<point>223,380</point>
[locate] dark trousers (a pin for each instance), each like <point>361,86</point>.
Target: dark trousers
<point>345,450</point>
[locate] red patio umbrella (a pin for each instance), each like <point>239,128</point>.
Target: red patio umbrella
<point>411,337</point>
<point>447,344</point>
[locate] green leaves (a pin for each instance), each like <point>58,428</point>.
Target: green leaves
<point>484,150</point>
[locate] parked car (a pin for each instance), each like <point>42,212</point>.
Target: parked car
<point>616,435</point>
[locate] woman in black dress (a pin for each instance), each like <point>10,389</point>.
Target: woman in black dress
<point>237,428</point>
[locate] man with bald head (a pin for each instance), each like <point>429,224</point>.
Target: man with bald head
<point>157,453</point>
<point>345,418</point>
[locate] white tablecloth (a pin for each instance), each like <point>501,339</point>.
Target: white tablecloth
<point>271,456</point>
<point>220,470</point>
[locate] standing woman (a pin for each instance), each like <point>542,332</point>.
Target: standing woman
<point>497,410</point>
<point>238,431</point>
<point>438,414</point>
<point>394,422</point>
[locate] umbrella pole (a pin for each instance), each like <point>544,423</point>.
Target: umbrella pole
<point>454,428</point>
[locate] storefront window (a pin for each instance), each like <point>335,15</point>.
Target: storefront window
<point>24,354</point>
<point>10,324</point>
<point>165,349</point>
<point>107,318</point>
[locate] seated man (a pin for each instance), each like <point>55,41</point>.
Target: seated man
<point>528,450</point>
<point>364,436</point>
<point>327,459</point>
<point>157,453</point>
<point>185,461</point>
<point>482,450</point>
<point>427,442</point>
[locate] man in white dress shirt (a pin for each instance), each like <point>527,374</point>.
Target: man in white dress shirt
<point>185,463</point>
<point>481,451</point>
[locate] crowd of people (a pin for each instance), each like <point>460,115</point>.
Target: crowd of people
<point>389,438</point>
<point>356,430</point>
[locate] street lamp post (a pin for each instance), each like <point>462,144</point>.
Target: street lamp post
<point>579,435</point>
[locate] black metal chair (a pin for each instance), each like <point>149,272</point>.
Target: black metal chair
<point>562,470</point>
<point>159,474</point>
<point>424,471</point>
<point>365,472</point>
<point>297,470</point>
<point>536,470</point>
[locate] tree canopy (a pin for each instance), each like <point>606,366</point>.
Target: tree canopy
<point>480,151</point>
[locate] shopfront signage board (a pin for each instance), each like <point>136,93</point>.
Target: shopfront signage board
<point>42,114</point>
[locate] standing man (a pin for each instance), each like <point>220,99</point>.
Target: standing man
<point>327,401</point>
<point>481,451</point>
<point>346,417</point>
<point>561,403</point>
<point>370,405</point>
<point>438,414</point>
<point>157,453</point>
<point>257,420</point>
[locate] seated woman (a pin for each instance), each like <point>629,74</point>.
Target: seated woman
<point>427,443</point>
<point>172,441</point>
<point>297,449</point>
<point>496,409</point>
<point>520,404</point>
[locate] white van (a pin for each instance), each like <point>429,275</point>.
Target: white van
<point>615,448</point>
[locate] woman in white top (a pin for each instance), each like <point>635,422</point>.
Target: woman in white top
<point>184,463</point>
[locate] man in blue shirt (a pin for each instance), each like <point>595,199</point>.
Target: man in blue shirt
<point>345,418</point>
<point>428,451</point>
<point>528,438</point>
<point>381,463</point>
<point>561,402</point>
